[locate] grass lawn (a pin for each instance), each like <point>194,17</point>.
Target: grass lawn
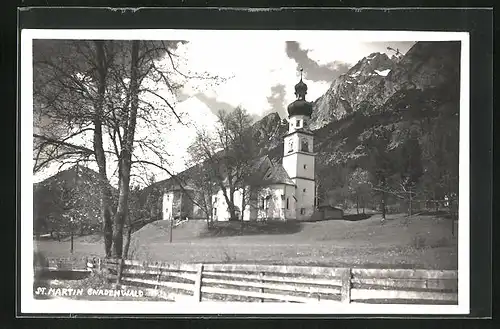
<point>400,242</point>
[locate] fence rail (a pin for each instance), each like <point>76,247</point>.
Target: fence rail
<point>298,284</point>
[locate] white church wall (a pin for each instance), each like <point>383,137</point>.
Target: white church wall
<point>221,211</point>
<point>272,202</point>
<point>305,193</point>
<point>220,207</point>
<point>290,164</point>
<point>290,208</point>
<point>305,166</point>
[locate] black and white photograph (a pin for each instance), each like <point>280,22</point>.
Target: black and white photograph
<point>175,171</point>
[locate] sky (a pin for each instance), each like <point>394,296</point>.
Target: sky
<point>258,74</point>
<point>261,75</point>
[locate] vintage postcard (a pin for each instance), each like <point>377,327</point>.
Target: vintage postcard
<point>240,172</point>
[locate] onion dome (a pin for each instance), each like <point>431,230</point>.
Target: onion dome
<point>301,89</point>
<point>300,106</point>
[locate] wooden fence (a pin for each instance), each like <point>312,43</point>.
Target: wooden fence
<point>276,283</point>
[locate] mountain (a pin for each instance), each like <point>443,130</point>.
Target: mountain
<point>269,131</point>
<point>349,91</point>
<point>70,193</point>
<point>369,84</point>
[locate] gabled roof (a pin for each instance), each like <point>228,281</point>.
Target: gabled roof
<point>177,187</point>
<point>276,174</point>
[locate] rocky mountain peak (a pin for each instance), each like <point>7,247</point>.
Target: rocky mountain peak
<point>375,62</point>
<point>369,84</point>
<point>348,92</point>
<point>269,129</point>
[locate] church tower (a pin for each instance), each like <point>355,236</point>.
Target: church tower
<point>298,157</point>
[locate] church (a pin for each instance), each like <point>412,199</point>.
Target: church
<point>286,191</point>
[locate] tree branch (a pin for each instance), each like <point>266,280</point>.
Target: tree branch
<point>59,142</point>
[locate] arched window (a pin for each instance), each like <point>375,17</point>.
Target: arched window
<point>290,146</point>
<point>304,145</point>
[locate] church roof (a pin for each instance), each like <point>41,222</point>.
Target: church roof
<point>177,187</point>
<point>277,175</point>
<point>300,107</point>
<point>265,172</point>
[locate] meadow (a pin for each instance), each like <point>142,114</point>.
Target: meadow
<point>399,242</point>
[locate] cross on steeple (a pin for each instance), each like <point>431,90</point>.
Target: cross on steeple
<point>301,87</point>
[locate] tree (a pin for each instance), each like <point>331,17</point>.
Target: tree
<point>359,187</point>
<point>91,98</point>
<point>229,154</point>
<point>440,159</point>
<point>69,86</point>
<point>69,194</point>
<point>206,188</point>
<point>411,166</point>
<point>378,146</point>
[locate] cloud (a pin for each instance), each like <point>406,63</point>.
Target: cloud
<point>312,69</point>
<point>277,99</point>
<point>213,104</point>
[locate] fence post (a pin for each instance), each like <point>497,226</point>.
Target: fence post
<point>158,279</point>
<point>198,283</point>
<point>345,291</point>
<point>261,274</point>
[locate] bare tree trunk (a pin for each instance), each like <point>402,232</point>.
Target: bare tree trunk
<point>125,253</point>
<point>243,203</point>
<point>126,155</point>
<point>71,249</point>
<point>383,205</point>
<point>230,203</point>
<point>357,203</point>
<point>99,151</point>
<point>452,215</point>
<point>127,242</point>
<point>410,205</point>
<point>316,194</point>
